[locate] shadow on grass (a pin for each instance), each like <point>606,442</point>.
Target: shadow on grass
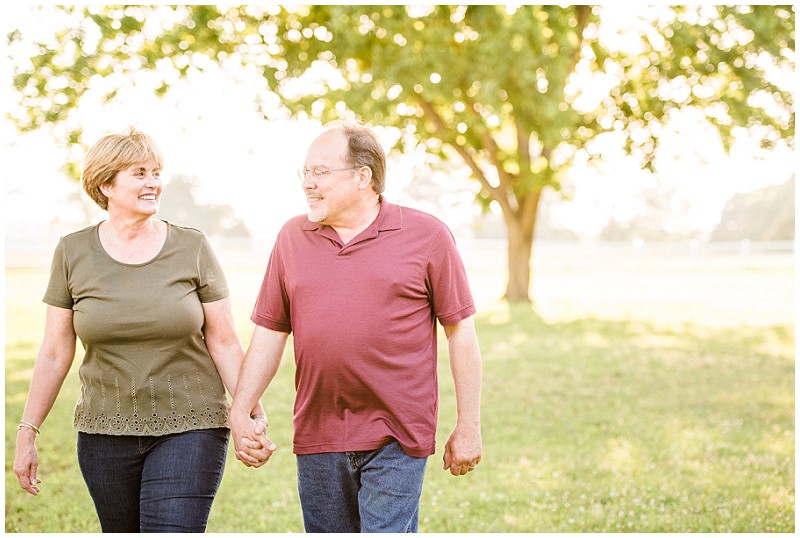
<point>600,425</point>
<point>518,329</point>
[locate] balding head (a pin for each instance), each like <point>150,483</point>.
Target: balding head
<point>363,149</point>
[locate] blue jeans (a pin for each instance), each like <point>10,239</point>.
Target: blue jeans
<point>153,483</point>
<point>369,491</point>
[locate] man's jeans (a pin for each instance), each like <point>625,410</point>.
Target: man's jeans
<point>369,491</point>
<point>153,484</point>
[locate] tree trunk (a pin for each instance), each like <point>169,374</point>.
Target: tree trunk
<point>520,249</point>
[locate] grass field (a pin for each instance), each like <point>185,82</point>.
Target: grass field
<point>646,393</point>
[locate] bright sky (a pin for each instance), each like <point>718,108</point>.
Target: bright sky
<point>208,128</point>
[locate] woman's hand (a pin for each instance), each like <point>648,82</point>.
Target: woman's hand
<point>26,461</point>
<point>52,365</point>
<point>253,447</point>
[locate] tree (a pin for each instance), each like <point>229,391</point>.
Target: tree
<point>179,205</point>
<point>516,93</point>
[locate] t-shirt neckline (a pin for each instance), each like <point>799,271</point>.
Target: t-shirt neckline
<point>113,259</point>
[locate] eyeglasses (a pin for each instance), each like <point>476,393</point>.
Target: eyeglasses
<point>320,173</point>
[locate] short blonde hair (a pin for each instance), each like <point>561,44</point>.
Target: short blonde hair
<point>114,153</point>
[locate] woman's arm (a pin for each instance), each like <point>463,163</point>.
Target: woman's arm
<point>52,365</point>
<point>225,347</point>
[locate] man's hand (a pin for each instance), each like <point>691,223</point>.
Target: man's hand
<point>261,361</point>
<point>253,447</point>
<point>463,450</point>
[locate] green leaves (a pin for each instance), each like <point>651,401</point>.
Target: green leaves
<point>514,92</point>
<point>483,71</point>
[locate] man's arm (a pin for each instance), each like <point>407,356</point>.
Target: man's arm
<point>261,362</point>
<point>463,449</point>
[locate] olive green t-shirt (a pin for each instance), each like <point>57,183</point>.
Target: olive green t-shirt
<point>146,368</point>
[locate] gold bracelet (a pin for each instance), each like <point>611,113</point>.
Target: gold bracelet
<point>26,424</point>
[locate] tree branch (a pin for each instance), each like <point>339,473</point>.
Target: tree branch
<point>582,14</point>
<point>506,179</point>
<point>444,134</point>
<point>523,145</point>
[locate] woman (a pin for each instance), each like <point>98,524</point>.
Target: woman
<point>149,302</point>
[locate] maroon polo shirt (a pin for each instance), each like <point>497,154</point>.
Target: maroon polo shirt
<point>364,317</point>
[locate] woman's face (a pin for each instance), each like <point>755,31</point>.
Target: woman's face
<point>135,191</point>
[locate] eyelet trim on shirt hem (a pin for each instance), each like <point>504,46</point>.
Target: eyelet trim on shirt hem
<point>151,425</point>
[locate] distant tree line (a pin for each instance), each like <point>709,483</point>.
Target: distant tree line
<point>179,206</point>
<point>763,215</point>
<point>766,214</point>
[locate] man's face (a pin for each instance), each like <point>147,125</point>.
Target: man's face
<point>331,187</point>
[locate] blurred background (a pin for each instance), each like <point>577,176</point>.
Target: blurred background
<point>626,145</point>
<point>620,180</point>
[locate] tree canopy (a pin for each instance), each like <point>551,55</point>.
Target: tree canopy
<point>516,93</point>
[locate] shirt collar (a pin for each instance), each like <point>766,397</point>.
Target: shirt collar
<point>390,216</point>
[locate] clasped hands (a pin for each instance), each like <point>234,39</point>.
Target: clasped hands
<point>253,447</point>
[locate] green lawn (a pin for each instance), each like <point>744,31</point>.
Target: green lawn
<point>590,424</point>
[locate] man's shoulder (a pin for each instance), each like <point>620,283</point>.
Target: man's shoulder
<point>418,218</point>
<point>292,228</point>
<point>295,224</point>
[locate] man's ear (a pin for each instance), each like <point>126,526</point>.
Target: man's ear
<point>364,177</point>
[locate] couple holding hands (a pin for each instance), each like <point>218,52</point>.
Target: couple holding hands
<point>359,282</point>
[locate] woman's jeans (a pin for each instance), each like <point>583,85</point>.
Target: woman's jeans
<point>369,491</point>
<point>153,483</point>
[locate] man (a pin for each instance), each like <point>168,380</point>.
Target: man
<point>360,283</point>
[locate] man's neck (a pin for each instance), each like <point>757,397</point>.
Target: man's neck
<point>360,223</point>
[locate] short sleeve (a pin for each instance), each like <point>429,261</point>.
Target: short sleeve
<point>212,285</point>
<point>58,293</point>
<point>272,309</point>
<point>447,280</point>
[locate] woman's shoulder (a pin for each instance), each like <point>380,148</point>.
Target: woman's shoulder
<point>184,232</point>
<point>79,237</point>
